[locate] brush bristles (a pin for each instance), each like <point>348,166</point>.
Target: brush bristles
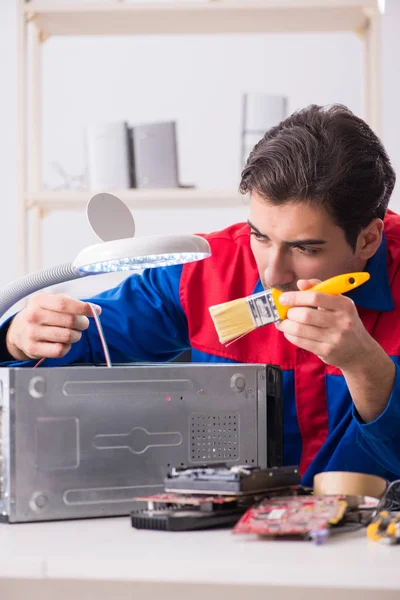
<point>232,319</point>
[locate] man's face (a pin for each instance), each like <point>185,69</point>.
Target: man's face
<point>296,241</point>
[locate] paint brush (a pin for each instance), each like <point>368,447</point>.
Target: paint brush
<point>238,317</point>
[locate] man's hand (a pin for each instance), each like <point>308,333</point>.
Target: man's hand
<point>329,326</point>
<point>48,326</point>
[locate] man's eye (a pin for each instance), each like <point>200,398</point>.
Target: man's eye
<point>258,236</point>
<point>305,250</point>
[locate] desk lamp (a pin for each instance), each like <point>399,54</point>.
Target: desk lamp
<point>127,254</point>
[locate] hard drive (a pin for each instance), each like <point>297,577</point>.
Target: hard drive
<point>225,480</point>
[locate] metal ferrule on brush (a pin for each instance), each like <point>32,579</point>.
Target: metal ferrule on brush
<point>262,308</point>
<point>234,319</point>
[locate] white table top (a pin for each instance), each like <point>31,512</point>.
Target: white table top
<point>110,550</point>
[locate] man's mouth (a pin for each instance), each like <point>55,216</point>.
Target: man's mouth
<point>291,287</point>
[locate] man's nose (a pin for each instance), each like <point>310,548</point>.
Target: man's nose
<point>278,272</point>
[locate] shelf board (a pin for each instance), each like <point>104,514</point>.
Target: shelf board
<point>139,199</point>
<point>207,16</point>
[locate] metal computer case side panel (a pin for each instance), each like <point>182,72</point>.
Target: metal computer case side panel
<point>262,425</point>
<point>270,415</point>
<point>274,404</point>
<point>80,432</point>
<point>7,446</point>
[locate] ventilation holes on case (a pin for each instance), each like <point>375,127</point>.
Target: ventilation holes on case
<point>1,456</point>
<point>214,437</point>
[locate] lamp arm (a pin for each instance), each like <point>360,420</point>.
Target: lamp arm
<point>33,282</point>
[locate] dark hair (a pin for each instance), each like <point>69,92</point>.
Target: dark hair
<point>324,155</point>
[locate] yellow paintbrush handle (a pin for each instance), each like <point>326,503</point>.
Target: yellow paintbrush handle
<point>334,286</point>
<point>341,283</point>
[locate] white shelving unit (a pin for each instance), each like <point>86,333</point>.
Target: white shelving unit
<point>40,20</point>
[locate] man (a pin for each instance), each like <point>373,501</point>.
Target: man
<point>319,184</point>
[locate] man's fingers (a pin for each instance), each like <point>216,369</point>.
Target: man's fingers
<point>305,284</point>
<point>310,316</point>
<point>47,350</point>
<point>60,335</point>
<point>316,347</point>
<point>61,303</point>
<point>299,331</point>
<point>315,299</point>
<point>56,319</point>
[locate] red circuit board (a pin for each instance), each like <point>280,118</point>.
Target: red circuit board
<point>186,499</point>
<point>292,516</point>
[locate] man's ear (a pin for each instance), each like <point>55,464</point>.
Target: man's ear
<point>369,239</point>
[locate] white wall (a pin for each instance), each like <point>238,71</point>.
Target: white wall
<point>8,173</point>
<point>391,89</point>
<point>196,80</point>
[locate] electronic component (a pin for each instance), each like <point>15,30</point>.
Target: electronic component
<point>237,479</point>
<point>79,455</point>
<point>183,520</point>
<point>171,499</point>
<point>179,512</point>
<point>301,516</point>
